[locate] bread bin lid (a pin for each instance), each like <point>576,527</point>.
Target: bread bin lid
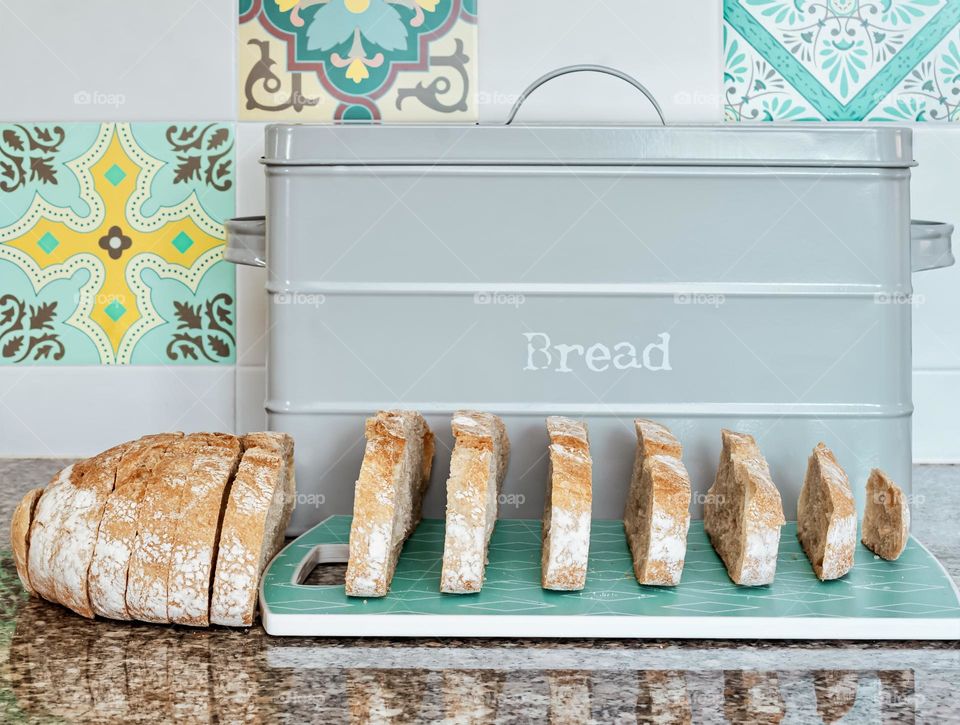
<point>794,145</point>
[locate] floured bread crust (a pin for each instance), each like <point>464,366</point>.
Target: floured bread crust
<point>886,517</point>
<point>657,514</point>
<point>189,578</point>
<point>157,520</point>
<point>387,502</point>
<point>45,528</point>
<point>63,534</point>
<point>566,514</point>
<point>743,512</point>
<point>20,535</point>
<point>478,466</point>
<point>827,516</point>
<point>254,520</point>
<point>107,579</point>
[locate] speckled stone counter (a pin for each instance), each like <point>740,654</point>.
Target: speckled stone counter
<point>57,666</point>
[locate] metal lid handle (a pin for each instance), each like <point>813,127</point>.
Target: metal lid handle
<point>930,245</point>
<point>581,68</point>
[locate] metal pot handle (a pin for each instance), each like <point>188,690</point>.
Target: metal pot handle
<point>930,246</point>
<point>246,241</point>
<point>582,68</point>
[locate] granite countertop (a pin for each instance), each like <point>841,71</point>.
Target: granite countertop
<point>55,665</point>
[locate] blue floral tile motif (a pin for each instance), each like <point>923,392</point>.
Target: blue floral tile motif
<point>358,60</point>
<point>842,60</point>
<point>111,243</point>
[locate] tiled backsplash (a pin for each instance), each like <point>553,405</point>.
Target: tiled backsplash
<point>111,243</point>
<point>111,220</point>
<point>842,60</point>
<point>358,60</point>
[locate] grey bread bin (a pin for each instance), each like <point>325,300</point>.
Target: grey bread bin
<point>754,278</point>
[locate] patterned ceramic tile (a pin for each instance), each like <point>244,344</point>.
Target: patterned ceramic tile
<point>842,60</point>
<point>331,60</point>
<point>111,243</point>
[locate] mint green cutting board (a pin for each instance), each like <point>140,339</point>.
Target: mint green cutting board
<point>911,598</point>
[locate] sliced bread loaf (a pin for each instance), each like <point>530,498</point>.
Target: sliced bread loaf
<point>566,512</point>
<point>657,514</point>
<point>743,512</point>
<point>827,516</point>
<point>254,521</point>
<point>118,528</point>
<point>20,535</point>
<point>202,503</point>
<point>157,521</point>
<point>387,502</point>
<point>478,466</point>
<point>886,517</point>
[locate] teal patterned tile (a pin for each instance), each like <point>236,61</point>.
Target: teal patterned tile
<point>842,60</point>
<point>111,243</point>
<point>915,585</point>
<point>358,60</point>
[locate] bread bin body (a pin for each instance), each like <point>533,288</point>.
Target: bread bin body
<point>755,279</point>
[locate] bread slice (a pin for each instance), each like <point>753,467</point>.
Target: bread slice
<point>886,517</point>
<point>743,512</point>
<point>157,521</point>
<point>657,514</point>
<point>478,466</point>
<point>202,503</point>
<point>566,512</point>
<point>389,494</point>
<point>827,516</point>
<point>20,535</point>
<point>63,533</point>
<point>254,521</point>
<point>107,579</point>
<point>45,529</point>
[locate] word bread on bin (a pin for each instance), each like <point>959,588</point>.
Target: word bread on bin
<point>389,492</point>
<point>827,516</point>
<point>167,528</point>
<point>478,466</point>
<point>657,514</point>
<point>743,512</point>
<point>566,511</point>
<point>886,517</point>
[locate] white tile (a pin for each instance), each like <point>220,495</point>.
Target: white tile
<point>251,394</point>
<point>251,315</point>
<point>251,185</point>
<point>251,297</point>
<point>79,411</point>
<point>113,60</point>
<point>672,48</point>
<point>935,195</point>
<point>936,425</point>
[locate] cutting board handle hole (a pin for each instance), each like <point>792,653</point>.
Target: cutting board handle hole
<point>326,565</point>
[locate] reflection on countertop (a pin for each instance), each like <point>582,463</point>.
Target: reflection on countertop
<point>56,665</point>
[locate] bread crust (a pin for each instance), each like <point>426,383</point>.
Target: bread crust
<point>657,513</point>
<point>886,517</point>
<point>477,468</point>
<point>157,521</point>
<point>743,512</point>
<point>20,535</point>
<point>63,532</point>
<point>107,580</point>
<point>827,516</point>
<point>256,515</point>
<point>190,576</point>
<point>567,506</point>
<point>387,503</point>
